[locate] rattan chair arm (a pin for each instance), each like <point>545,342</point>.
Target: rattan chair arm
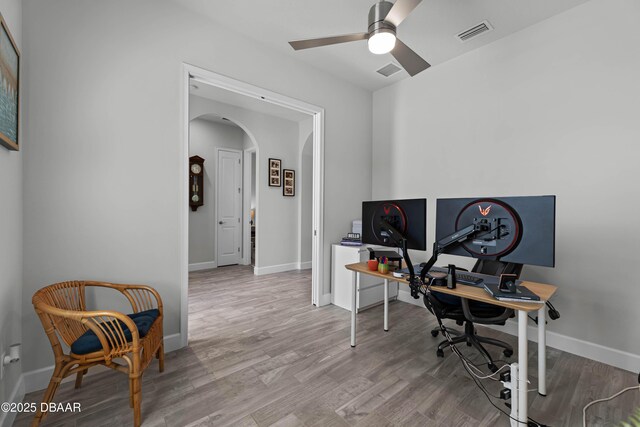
<point>113,340</point>
<point>138,295</point>
<point>147,290</point>
<point>97,320</point>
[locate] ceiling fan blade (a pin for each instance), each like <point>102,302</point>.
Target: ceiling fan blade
<point>325,41</point>
<point>410,61</point>
<point>400,10</point>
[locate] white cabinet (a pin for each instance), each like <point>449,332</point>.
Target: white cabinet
<point>371,288</point>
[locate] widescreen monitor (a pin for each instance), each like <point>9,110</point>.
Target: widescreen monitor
<point>509,229</point>
<point>408,216</point>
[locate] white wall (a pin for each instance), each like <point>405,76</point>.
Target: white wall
<point>276,215</point>
<point>205,138</point>
<point>11,236</point>
<point>552,109</point>
<point>102,167</point>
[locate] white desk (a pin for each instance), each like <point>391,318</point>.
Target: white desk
<point>519,400</point>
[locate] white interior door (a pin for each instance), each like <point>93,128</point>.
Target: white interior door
<point>229,207</point>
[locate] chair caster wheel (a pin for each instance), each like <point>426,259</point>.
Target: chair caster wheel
<point>492,367</point>
<point>507,353</point>
<point>440,353</point>
<point>435,333</point>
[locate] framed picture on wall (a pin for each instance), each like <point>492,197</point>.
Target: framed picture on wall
<point>9,88</point>
<point>274,172</point>
<point>289,187</point>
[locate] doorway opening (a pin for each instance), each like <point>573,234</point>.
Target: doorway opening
<point>217,226</point>
<point>260,203</point>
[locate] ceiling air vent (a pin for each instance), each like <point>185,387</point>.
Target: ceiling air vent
<point>389,69</point>
<point>474,31</point>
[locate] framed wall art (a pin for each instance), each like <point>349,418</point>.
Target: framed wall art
<point>9,88</point>
<point>289,187</point>
<point>274,172</point>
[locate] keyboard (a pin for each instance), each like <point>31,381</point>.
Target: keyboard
<point>464,277</point>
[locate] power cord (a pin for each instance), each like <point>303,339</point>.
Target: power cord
<point>426,290</point>
<point>584,410</point>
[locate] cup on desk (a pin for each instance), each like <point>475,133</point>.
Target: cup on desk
<point>372,264</point>
<point>383,268</point>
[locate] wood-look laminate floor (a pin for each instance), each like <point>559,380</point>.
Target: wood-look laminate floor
<point>259,354</point>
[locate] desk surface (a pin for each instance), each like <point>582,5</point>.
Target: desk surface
<point>544,291</point>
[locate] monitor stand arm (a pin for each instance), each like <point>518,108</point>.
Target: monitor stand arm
<point>401,242</point>
<point>439,247</point>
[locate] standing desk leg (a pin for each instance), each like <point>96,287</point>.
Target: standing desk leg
<point>522,367</point>
<point>386,305</point>
<point>354,299</point>
<point>542,351</point>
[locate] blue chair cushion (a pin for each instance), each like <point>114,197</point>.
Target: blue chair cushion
<point>89,342</point>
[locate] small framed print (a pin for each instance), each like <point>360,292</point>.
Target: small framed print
<point>289,187</point>
<point>274,172</point>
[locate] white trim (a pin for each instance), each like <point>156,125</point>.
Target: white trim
<point>325,299</point>
<point>305,265</point>
<point>183,217</point>
<point>300,182</point>
<point>317,250</point>
<point>172,343</point>
<point>247,183</point>
<point>233,85</point>
<point>197,266</point>
<point>16,396</point>
<point>39,379</point>
<point>610,356</point>
<point>259,271</point>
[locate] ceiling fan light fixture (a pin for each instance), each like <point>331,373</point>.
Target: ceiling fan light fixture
<point>382,41</point>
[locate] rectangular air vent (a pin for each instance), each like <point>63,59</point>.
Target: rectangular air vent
<point>389,69</point>
<point>474,31</point>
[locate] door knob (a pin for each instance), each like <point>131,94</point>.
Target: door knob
<point>221,222</point>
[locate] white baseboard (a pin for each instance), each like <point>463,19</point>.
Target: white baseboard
<point>172,343</point>
<point>259,271</point>
<point>610,356</point>
<point>306,265</point>
<point>325,299</point>
<point>203,265</point>
<point>39,379</point>
<point>7,418</point>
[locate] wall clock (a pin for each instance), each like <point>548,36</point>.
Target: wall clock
<point>196,182</point>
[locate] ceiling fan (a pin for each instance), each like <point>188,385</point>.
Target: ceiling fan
<point>384,18</point>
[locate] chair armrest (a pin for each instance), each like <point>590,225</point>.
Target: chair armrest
<point>486,320</point>
<point>105,324</point>
<point>141,297</point>
<point>107,327</point>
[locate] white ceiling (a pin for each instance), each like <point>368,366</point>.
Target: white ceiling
<point>430,30</point>
<point>242,101</point>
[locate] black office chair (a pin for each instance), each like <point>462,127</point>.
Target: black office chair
<point>466,313</point>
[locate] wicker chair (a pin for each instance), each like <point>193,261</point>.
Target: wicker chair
<point>100,337</point>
